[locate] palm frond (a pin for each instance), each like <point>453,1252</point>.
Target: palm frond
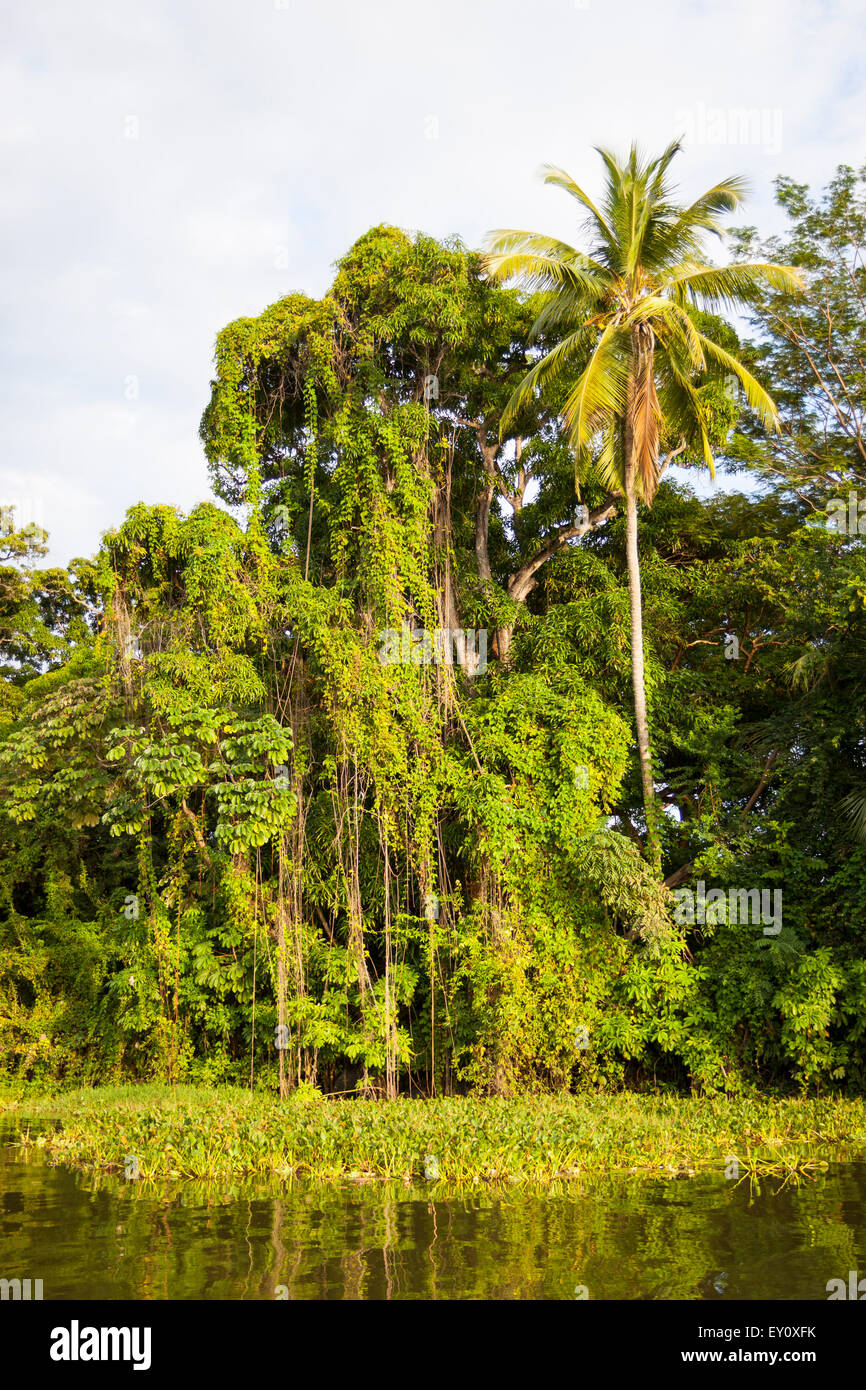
<point>599,395</point>
<point>732,285</point>
<point>682,409</point>
<point>805,672</point>
<point>542,264</point>
<point>676,327</point>
<point>564,308</point>
<point>758,399</point>
<point>607,466</point>
<point>547,371</point>
<point>615,870</point>
<point>705,211</point>
<point>659,167</point>
<point>854,805</point>
<point>563,180</point>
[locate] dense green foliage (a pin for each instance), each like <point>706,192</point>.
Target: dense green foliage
<point>228,824</point>
<point>193,1132</point>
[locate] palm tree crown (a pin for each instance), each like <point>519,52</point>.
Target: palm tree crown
<point>629,348</point>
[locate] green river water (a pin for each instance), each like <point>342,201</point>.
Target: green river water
<point>702,1237</point>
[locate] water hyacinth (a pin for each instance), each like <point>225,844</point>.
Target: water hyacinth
<point>196,1133</point>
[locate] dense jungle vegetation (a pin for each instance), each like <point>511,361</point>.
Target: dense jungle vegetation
<point>255,831</point>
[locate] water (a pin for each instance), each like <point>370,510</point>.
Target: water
<point>703,1237</point>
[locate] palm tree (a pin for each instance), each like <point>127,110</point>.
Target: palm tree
<point>854,805</point>
<point>631,348</point>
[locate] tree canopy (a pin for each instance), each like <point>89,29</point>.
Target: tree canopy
<point>336,781</point>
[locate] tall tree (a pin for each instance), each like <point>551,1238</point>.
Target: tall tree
<point>813,348</point>
<point>631,350</point>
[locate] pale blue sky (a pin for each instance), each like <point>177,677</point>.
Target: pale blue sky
<point>167,167</point>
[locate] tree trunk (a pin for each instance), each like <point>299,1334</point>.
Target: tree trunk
<point>637,671</point>
<point>485,501</point>
<point>521,583</point>
<point>281,1013</point>
<point>441,519</point>
<point>281,969</point>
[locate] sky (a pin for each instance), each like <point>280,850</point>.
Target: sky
<point>169,167</point>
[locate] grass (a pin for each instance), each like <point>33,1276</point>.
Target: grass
<point>196,1132</point>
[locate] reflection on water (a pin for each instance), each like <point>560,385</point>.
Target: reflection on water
<point>687,1238</point>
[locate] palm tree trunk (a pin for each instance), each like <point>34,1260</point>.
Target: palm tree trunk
<point>281,968</point>
<point>637,673</point>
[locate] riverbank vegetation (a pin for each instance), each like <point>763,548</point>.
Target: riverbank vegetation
<point>257,829</point>
<point>194,1132</point>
